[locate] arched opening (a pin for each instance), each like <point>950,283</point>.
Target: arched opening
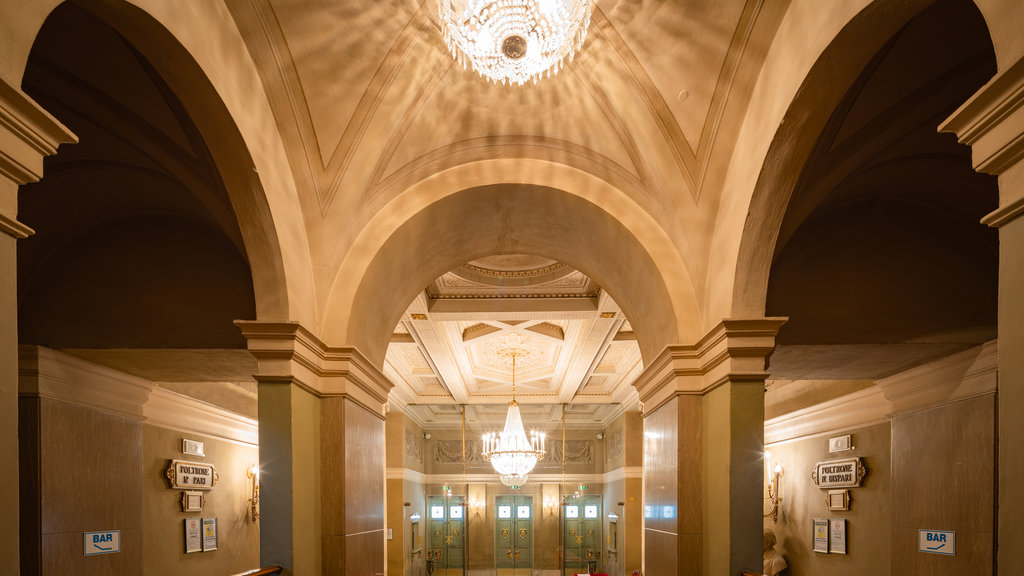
<point>888,279</point>
<point>145,251</point>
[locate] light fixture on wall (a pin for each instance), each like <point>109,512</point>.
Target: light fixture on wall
<point>773,477</point>
<point>253,473</point>
<point>512,454</point>
<point>550,505</point>
<point>476,506</point>
<point>513,41</point>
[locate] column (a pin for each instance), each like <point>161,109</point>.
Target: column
<point>703,441</point>
<point>992,123</point>
<point>27,134</point>
<point>322,440</point>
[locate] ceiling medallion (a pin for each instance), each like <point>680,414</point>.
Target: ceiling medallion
<point>512,454</point>
<point>513,41</point>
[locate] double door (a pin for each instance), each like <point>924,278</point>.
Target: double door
<point>513,534</point>
<point>582,534</point>
<point>446,534</point>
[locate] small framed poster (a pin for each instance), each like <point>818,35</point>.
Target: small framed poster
<point>820,535</point>
<point>193,535</point>
<point>837,535</point>
<point>209,534</point>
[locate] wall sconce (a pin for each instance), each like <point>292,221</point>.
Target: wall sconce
<point>550,505</point>
<point>773,476</point>
<point>253,473</point>
<point>476,506</point>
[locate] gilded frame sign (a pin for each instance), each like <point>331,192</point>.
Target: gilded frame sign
<point>187,475</point>
<point>845,473</point>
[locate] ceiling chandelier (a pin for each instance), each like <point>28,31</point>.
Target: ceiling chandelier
<point>512,41</point>
<point>512,454</point>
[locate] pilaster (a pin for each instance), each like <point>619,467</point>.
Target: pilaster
<point>321,414</point>
<point>27,135</point>
<point>992,123</point>
<point>703,439</point>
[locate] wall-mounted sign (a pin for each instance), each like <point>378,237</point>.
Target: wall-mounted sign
<point>209,534</point>
<point>106,542</point>
<point>837,535</point>
<point>193,535</point>
<point>820,535</point>
<point>845,473</point>
<point>193,447</point>
<point>937,542</point>
<point>192,501</point>
<point>838,499</point>
<point>191,475</point>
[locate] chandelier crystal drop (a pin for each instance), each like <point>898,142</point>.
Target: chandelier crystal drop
<point>512,454</point>
<point>513,41</point>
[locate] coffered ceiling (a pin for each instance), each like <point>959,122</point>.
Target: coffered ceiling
<point>456,343</point>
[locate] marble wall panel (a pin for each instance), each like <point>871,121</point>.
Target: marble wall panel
<point>943,478</point>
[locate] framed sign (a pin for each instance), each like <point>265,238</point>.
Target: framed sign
<point>838,499</point>
<point>820,535</point>
<point>187,475</point>
<point>192,501</point>
<point>846,473</point>
<point>193,535</point>
<point>837,535</point>
<point>209,534</point>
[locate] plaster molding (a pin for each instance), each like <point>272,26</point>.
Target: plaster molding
<point>492,478</point>
<point>47,373</point>
<point>167,409</point>
<point>964,375</point>
<point>12,227</point>
<point>735,350</point>
<point>287,353</point>
<point>857,410</point>
<point>992,122</point>
<point>27,134</point>
<point>624,473</point>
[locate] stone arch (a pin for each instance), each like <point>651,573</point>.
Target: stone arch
<point>193,47</point>
<point>461,214</point>
<point>815,95</point>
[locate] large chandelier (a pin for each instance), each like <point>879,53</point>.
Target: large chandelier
<point>512,454</point>
<point>512,41</point>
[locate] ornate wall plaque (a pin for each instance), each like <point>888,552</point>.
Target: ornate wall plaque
<point>191,475</point>
<point>845,473</point>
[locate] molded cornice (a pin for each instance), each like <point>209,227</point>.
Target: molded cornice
<point>992,124</point>
<point>287,353</point>
<point>734,351</point>
<point>27,135</point>
<point>51,374</point>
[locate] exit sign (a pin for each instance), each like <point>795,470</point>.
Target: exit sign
<point>583,487</point>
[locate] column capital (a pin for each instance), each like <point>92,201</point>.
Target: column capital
<point>27,135</point>
<point>733,351</point>
<point>286,352</point>
<point>992,124</point>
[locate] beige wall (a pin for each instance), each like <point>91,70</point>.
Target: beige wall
<point>867,519</point>
<point>163,531</point>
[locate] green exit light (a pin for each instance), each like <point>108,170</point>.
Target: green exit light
<point>446,487</point>
<point>515,487</point>
<point>583,486</point>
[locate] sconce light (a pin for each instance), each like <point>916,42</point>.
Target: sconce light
<point>773,476</point>
<point>476,506</point>
<point>253,473</point>
<point>550,505</point>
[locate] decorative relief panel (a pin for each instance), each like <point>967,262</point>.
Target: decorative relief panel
<point>576,451</point>
<point>413,448</point>
<point>450,451</point>
<point>614,450</point>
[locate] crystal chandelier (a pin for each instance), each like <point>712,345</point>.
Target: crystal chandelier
<point>512,41</point>
<point>512,454</point>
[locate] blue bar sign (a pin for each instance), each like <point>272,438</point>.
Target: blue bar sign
<point>106,542</point>
<point>937,542</point>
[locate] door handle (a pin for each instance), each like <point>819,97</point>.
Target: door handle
<point>517,553</point>
<point>509,553</point>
